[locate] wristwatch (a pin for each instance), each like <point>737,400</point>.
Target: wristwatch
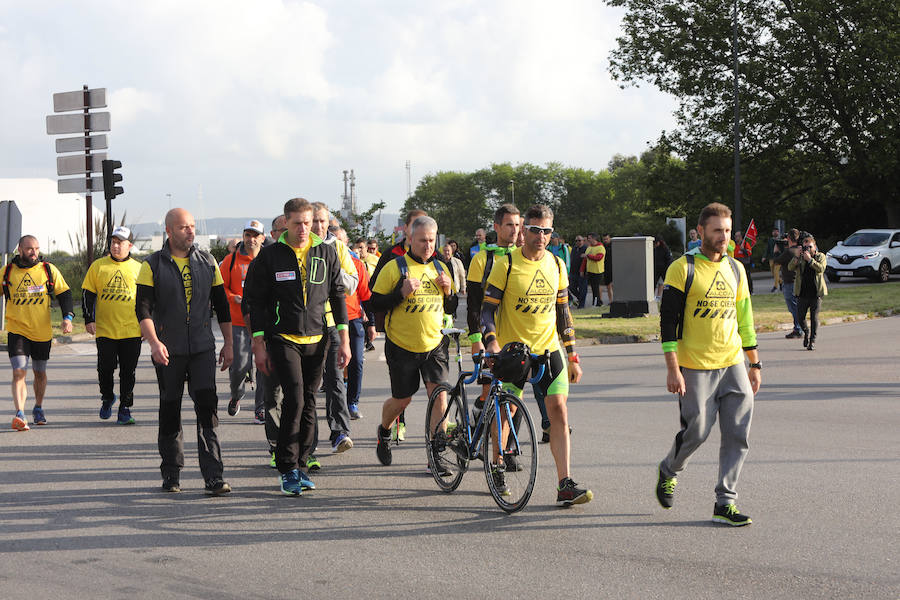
<point>756,365</point>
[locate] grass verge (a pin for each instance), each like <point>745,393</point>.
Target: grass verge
<point>769,312</point>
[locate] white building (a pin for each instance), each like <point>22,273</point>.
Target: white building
<point>53,218</point>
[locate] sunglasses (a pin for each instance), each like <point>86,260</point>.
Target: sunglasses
<point>537,230</point>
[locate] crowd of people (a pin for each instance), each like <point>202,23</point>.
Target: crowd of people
<point>299,307</point>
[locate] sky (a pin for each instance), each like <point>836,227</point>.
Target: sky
<point>231,108</point>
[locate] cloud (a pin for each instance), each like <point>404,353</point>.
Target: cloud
<point>128,103</point>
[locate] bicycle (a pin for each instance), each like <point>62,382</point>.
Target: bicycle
<point>452,442</point>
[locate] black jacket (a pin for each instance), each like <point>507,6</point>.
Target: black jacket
<point>273,291</point>
<point>164,301</point>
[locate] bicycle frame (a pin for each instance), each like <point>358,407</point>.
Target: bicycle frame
<point>474,437</point>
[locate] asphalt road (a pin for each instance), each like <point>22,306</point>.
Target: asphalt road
<point>81,514</point>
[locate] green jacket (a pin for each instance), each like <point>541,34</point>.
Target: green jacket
<point>817,264</point>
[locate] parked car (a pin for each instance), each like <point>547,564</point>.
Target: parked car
<point>872,253</point>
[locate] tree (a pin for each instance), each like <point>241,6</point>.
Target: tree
<point>819,88</point>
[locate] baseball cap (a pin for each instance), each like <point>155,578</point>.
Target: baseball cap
<point>254,225</point>
<point>554,235</point>
<point>122,232</point>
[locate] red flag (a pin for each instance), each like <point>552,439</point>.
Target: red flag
<point>750,236</point>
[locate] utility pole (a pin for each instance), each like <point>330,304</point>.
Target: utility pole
<point>737,127</point>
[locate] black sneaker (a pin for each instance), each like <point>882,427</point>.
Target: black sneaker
<point>805,340</point>
<point>793,335</point>
<point>665,489</point>
<point>730,515</point>
<point>234,407</point>
<point>812,345</point>
<point>545,439</point>
<point>383,447</point>
<point>217,487</point>
<point>439,464</point>
<point>511,463</point>
<point>568,493</point>
<point>500,481</point>
<point>171,484</point>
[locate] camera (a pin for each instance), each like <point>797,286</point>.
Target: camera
<point>808,249</point>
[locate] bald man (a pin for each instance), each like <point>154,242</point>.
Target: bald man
<point>185,280</point>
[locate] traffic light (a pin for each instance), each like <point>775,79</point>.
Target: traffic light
<point>110,178</point>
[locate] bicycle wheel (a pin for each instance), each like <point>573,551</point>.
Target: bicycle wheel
<point>511,480</point>
<point>445,445</point>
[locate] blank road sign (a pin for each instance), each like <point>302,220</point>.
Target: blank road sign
<point>77,144</point>
<point>66,101</point>
<point>73,165</point>
<point>79,185</point>
<point>76,123</point>
<point>10,225</point>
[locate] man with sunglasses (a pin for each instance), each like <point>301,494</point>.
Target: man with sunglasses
<point>527,300</point>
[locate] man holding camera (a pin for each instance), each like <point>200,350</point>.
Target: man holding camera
<point>787,276</point>
<point>809,287</point>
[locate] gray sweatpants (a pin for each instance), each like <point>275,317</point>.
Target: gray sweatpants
<point>723,392</point>
<point>243,364</point>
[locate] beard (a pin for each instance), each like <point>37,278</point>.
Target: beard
<point>28,262</point>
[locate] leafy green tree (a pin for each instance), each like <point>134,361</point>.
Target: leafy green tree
<point>819,91</point>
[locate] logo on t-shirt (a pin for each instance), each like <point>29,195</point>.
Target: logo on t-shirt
<point>116,289</point>
<point>539,297</point>
<point>719,302</point>
<point>428,298</point>
<point>28,292</point>
<point>719,288</point>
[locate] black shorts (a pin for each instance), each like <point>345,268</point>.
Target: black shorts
<point>404,367</point>
<point>18,345</point>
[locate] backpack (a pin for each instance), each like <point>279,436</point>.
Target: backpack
<point>380,315</point>
<point>689,279</point>
<point>48,286</point>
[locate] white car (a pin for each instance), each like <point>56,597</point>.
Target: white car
<point>872,253</point>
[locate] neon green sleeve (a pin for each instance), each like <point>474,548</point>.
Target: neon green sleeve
<point>745,323</point>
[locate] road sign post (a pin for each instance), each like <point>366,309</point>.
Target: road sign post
<point>84,122</point>
<point>10,232</point>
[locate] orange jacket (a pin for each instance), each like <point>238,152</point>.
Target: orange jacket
<point>233,274</point>
<point>354,311</point>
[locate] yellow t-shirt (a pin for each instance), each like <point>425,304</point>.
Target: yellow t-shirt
<point>527,312</point>
<point>710,339</point>
<point>301,262</point>
<point>595,266</point>
<point>115,284</point>
<point>28,307</point>
<point>145,276</point>
<point>371,262</point>
<point>415,324</point>
<point>479,261</point>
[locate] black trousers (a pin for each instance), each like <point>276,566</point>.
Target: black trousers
<point>123,354</point>
<point>199,370</point>
<point>595,280</point>
<point>299,370</point>
<point>811,305</point>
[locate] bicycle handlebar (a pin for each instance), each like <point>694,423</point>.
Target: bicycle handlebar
<point>479,359</point>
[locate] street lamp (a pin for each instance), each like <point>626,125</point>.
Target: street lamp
<point>512,190</point>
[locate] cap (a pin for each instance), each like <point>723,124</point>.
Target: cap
<point>122,232</point>
<point>554,235</point>
<point>254,225</point>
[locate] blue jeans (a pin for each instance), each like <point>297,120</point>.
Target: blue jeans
<point>791,300</point>
<point>355,366</point>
